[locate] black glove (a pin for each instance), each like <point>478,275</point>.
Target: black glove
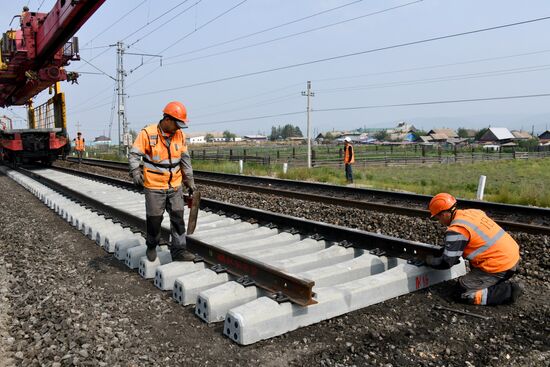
<point>190,185</point>
<point>137,177</point>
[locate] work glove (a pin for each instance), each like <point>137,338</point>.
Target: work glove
<point>190,185</point>
<point>137,177</point>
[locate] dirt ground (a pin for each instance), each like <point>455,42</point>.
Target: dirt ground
<point>64,301</point>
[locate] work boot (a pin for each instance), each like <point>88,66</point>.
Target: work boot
<point>517,291</point>
<point>183,255</point>
<point>151,253</point>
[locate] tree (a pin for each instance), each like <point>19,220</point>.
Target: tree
<point>209,137</point>
<point>462,133</point>
<point>228,136</point>
<point>381,135</point>
<point>481,132</point>
<point>285,132</point>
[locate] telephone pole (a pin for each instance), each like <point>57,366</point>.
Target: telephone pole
<point>124,139</point>
<point>308,94</point>
<point>121,96</point>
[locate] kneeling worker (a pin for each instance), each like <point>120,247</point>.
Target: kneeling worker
<point>164,152</point>
<point>493,253</point>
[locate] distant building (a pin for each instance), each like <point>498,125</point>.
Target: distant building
<point>102,140</point>
<point>255,137</point>
<point>544,138</point>
<point>521,135</point>
<point>449,133</point>
<point>195,138</point>
<point>499,135</point>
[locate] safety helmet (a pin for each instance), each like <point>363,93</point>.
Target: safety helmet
<point>441,202</point>
<point>348,139</point>
<point>177,111</point>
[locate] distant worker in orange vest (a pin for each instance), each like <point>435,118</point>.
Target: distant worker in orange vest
<point>492,252</point>
<point>349,159</point>
<point>79,146</point>
<point>166,165</point>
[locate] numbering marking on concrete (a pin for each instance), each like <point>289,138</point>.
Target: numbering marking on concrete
<point>422,281</point>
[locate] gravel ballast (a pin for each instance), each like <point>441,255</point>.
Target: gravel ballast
<point>69,303</point>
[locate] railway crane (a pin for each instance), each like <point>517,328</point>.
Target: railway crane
<point>32,59</point>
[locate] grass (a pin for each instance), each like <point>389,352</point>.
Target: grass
<point>524,182</point>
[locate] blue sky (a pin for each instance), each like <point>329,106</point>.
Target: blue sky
<point>232,79</point>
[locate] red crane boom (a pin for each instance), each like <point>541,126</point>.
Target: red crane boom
<point>32,57</point>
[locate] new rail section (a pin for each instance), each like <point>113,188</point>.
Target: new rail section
<point>254,270</point>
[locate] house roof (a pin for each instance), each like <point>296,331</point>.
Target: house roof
<point>102,138</point>
<point>449,132</point>
<point>439,136</point>
<point>545,135</point>
<point>425,138</point>
<point>501,133</point>
<point>521,134</point>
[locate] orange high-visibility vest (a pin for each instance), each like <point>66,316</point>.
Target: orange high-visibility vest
<point>490,248</point>
<point>79,144</point>
<point>161,160</point>
<point>349,155</point>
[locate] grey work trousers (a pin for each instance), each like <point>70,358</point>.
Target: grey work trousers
<point>156,202</point>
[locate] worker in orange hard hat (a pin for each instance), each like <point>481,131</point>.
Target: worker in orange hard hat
<point>492,252</point>
<point>166,166</point>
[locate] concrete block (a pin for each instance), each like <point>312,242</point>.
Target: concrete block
<point>264,318</point>
<point>133,255</point>
<point>188,286</point>
<point>214,303</point>
<point>108,239</point>
<point>285,249</point>
<point>329,256</point>
<point>166,275</point>
<point>122,246</point>
<point>147,268</point>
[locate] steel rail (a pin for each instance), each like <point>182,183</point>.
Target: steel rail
<point>264,276</point>
<point>293,288</point>
<point>272,186</point>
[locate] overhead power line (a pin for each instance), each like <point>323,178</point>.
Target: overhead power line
<point>411,104</point>
<point>266,29</point>
<point>116,22</point>
<point>203,25</point>
<point>293,34</point>
<point>485,74</point>
<point>373,50</point>
<point>434,66</point>
<point>164,23</point>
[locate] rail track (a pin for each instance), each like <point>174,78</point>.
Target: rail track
<point>255,270</point>
<point>528,219</point>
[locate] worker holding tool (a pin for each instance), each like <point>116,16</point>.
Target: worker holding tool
<point>349,159</point>
<point>166,165</point>
<point>492,252</point>
<point>79,146</point>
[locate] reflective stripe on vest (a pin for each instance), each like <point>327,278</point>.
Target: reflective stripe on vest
<point>161,158</point>
<point>489,242</point>
<point>79,144</point>
<point>489,247</point>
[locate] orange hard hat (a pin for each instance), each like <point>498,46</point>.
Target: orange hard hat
<point>441,202</point>
<point>178,111</point>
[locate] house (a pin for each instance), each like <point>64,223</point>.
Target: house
<point>101,140</point>
<point>438,137</point>
<point>544,137</point>
<point>521,135</point>
<point>195,138</point>
<point>425,139</point>
<point>255,137</point>
<point>499,135</point>
<point>449,133</point>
